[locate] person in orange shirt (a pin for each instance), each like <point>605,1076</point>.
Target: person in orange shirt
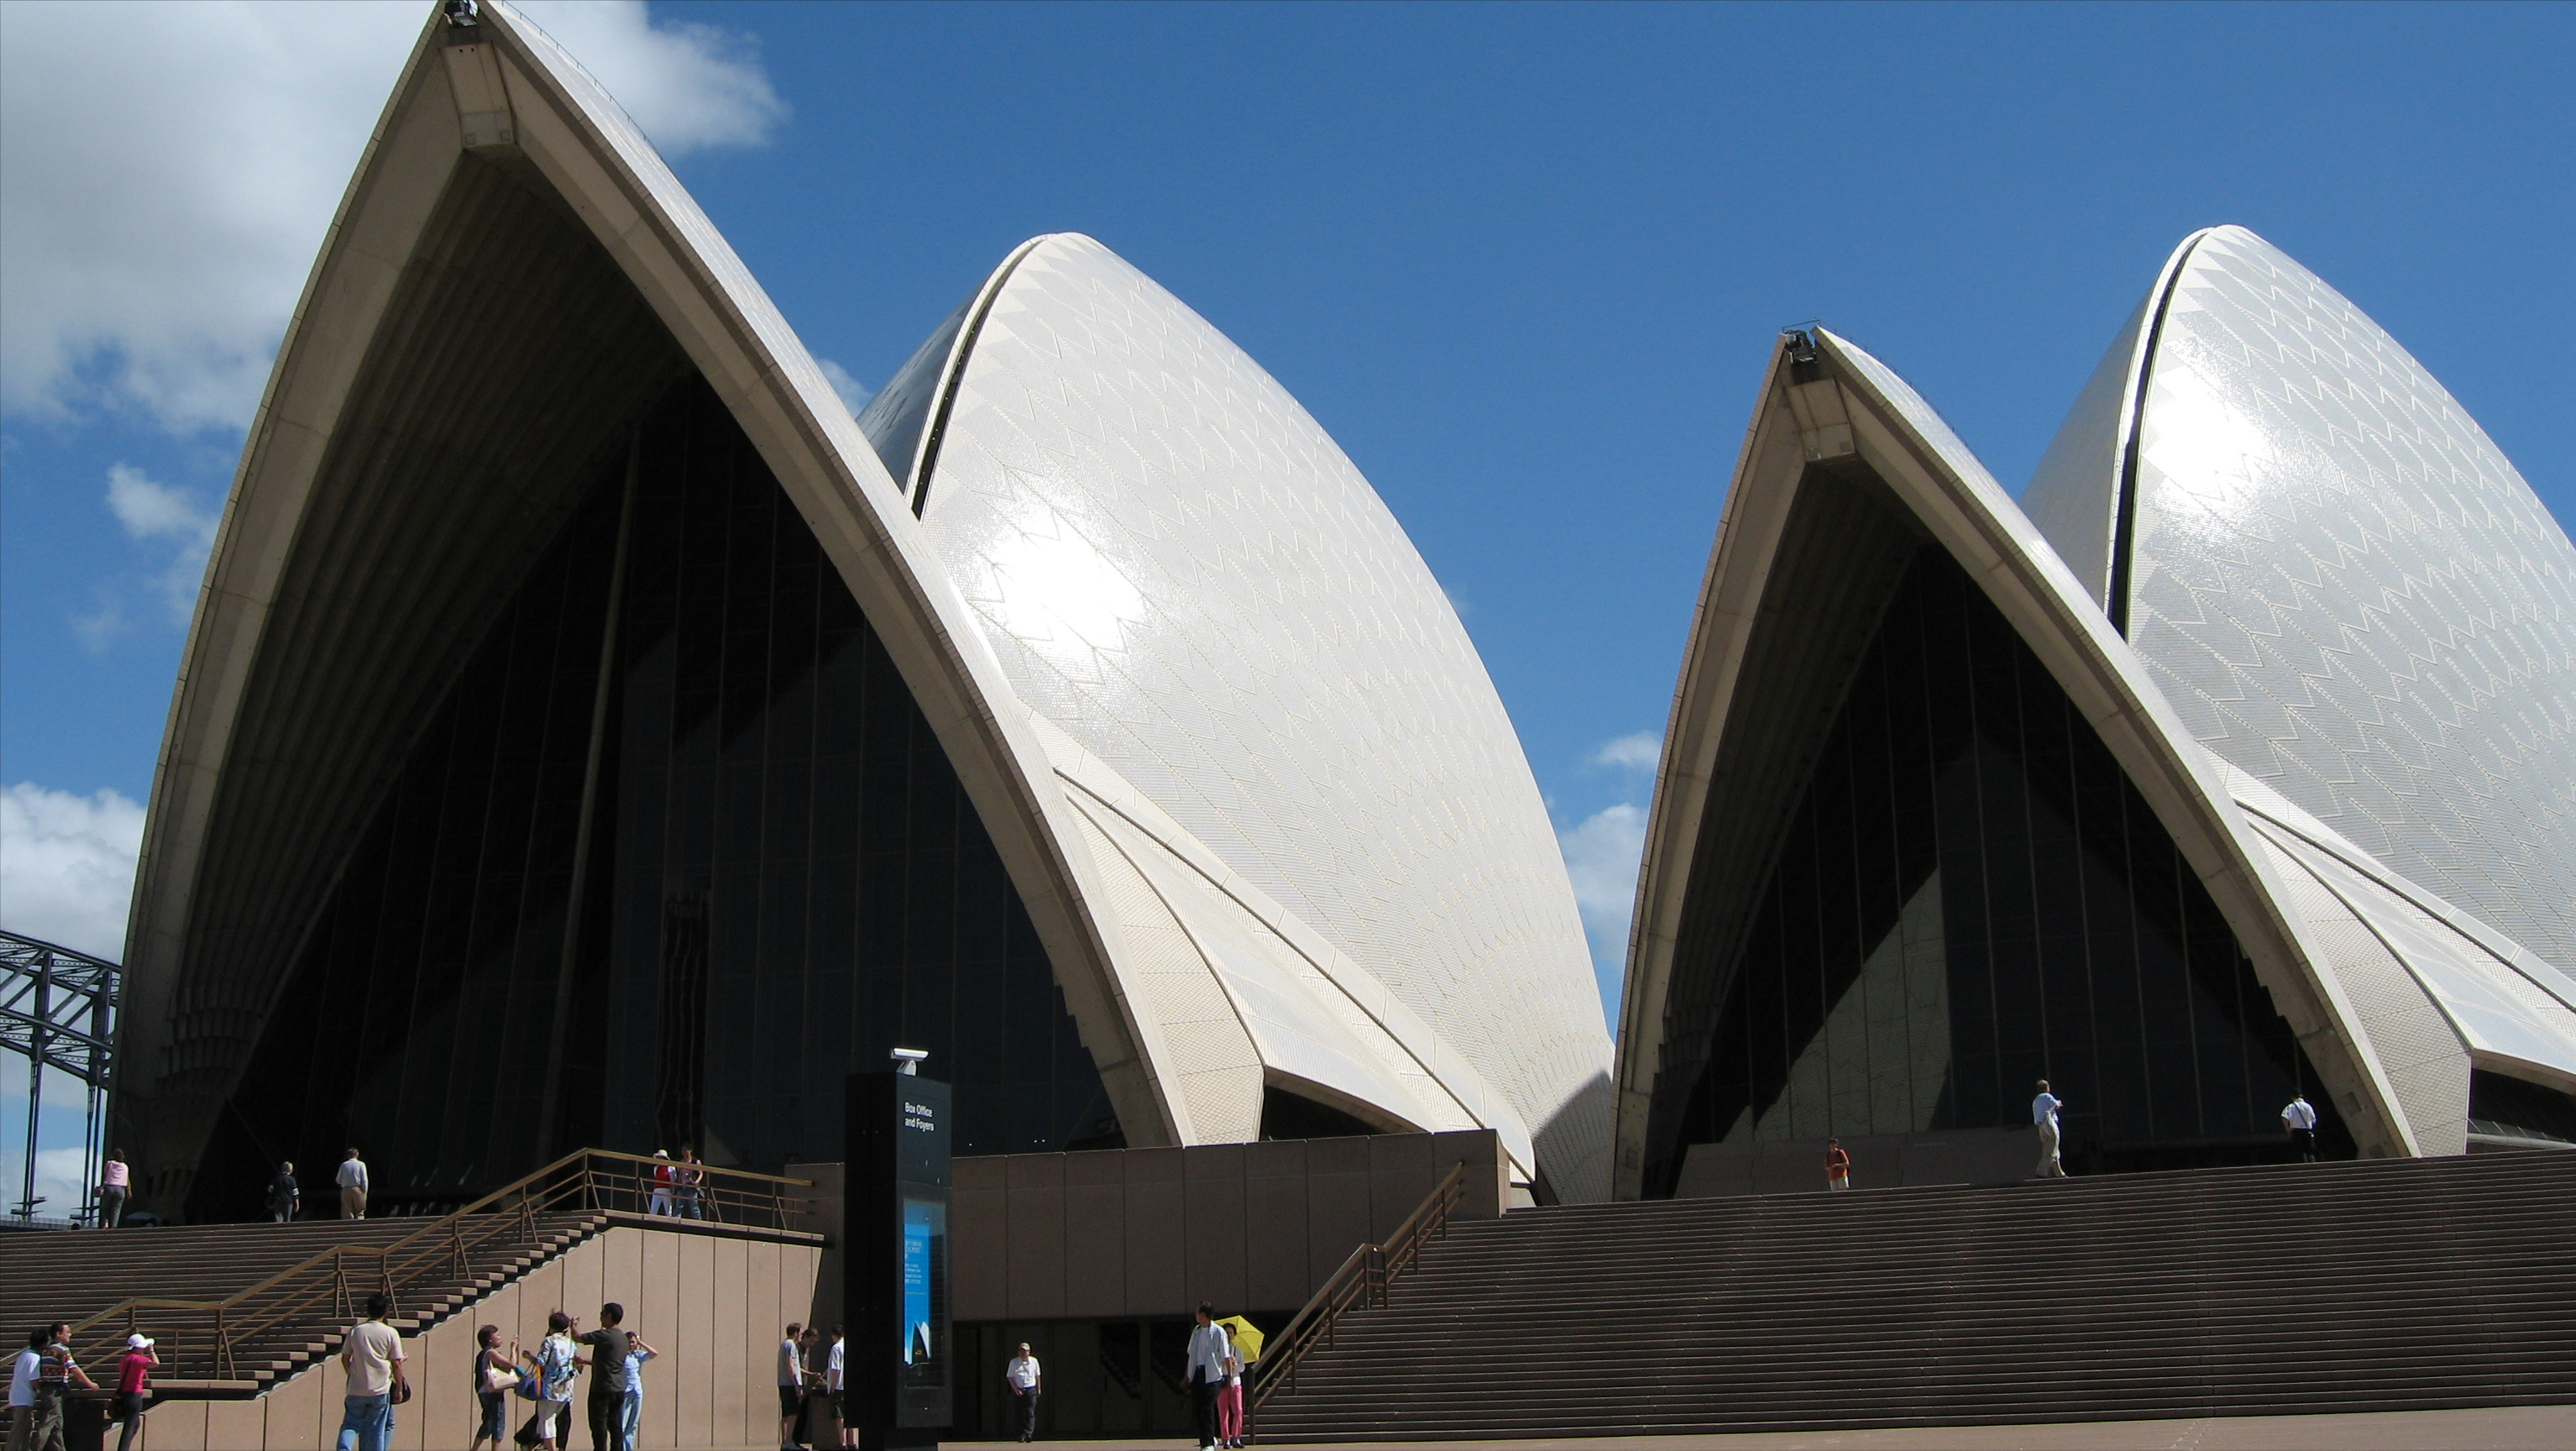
<point>1837,1166</point>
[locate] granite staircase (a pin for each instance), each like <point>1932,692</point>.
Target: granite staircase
<point>2382,1285</point>
<point>78,1275</point>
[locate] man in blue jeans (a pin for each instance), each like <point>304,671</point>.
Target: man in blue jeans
<point>372,1354</point>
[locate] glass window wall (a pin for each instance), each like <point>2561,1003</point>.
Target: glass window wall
<point>785,879</point>
<point>1969,897</point>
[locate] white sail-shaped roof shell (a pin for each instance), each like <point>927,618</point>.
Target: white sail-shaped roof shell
<point>1180,571</point>
<point>1194,973</point>
<point>2343,586</point>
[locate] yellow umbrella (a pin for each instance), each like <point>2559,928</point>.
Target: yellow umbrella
<point>1247,1338</point>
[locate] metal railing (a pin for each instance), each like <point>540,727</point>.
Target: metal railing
<point>1360,1284</point>
<point>202,1338</point>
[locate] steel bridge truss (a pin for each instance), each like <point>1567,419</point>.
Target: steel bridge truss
<point>57,1011</point>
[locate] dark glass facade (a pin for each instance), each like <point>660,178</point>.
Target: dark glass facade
<point>1971,896</point>
<point>2518,1111</point>
<point>781,878</point>
<point>1104,1378</point>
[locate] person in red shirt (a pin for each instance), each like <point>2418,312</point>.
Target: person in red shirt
<point>1837,1166</point>
<point>132,1369</point>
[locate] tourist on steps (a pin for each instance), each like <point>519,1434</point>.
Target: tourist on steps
<point>1027,1380</point>
<point>1837,1166</point>
<point>132,1369</point>
<point>663,1169</point>
<point>1229,1397</point>
<point>791,1386</point>
<point>56,1374</point>
<point>1209,1347</point>
<point>495,1374</point>
<point>812,1389</point>
<point>553,1365</point>
<point>283,1197</point>
<point>690,1174</point>
<point>352,1180</point>
<point>608,1346</point>
<point>637,1353</point>
<point>372,1355</point>
<point>836,1389</point>
<point>114,1179</point>
<point>2043,1115</point>
<point>2300,1118</point>
<point>22,1387</point>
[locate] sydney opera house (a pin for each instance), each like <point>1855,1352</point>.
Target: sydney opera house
<point>2241,766</point>
<point>591,734</point>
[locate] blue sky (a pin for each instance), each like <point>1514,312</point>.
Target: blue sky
<point>1525,263</point>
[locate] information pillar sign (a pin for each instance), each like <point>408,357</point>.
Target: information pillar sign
<point>894,1252</point>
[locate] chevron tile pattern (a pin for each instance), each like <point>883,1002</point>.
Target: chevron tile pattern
<point>2350,594</point>
<point>1178,568</point>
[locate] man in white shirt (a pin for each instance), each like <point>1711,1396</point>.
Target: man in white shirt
<point>56,1376</point>
<point>832,1390</point>
<point>372,1354</point>
<point>2300,1118</point>
<point>22,1388</point>
<point>1209,1348</point>
<point>2043,1115</point>
<point>1027,1380</point>
<point>352,1180</point>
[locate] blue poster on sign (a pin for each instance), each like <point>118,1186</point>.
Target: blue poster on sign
<point>920,1226</point>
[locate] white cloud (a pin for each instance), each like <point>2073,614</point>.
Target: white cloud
<point>149,510</point>
<point>1601,855</point>
<point>58,1171</point>
<point>692,87</point>
<point>67,866</point>
<point>167,170</point>
<point>1640,752</point>
<point>153,511</point>
<point>854,394</point>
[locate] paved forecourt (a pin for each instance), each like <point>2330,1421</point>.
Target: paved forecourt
<point>2500,1428</point>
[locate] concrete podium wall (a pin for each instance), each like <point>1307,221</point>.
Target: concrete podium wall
<point>1151,1232</point>
<point>713,1306</point>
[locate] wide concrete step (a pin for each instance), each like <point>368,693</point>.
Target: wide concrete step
<point>2396,1285</point>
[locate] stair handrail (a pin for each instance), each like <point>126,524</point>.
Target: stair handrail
<point>1360,1283</point>
<point>521,1195</point>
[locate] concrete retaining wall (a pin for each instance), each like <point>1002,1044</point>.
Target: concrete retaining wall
<point>712,1306</point>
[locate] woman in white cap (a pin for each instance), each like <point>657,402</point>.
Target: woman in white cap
<point>132,1369</point>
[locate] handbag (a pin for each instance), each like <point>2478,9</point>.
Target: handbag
<point>499,1378</point>
<point>402,1390</point>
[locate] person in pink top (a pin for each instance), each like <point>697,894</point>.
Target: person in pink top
<point>113,1181</point>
